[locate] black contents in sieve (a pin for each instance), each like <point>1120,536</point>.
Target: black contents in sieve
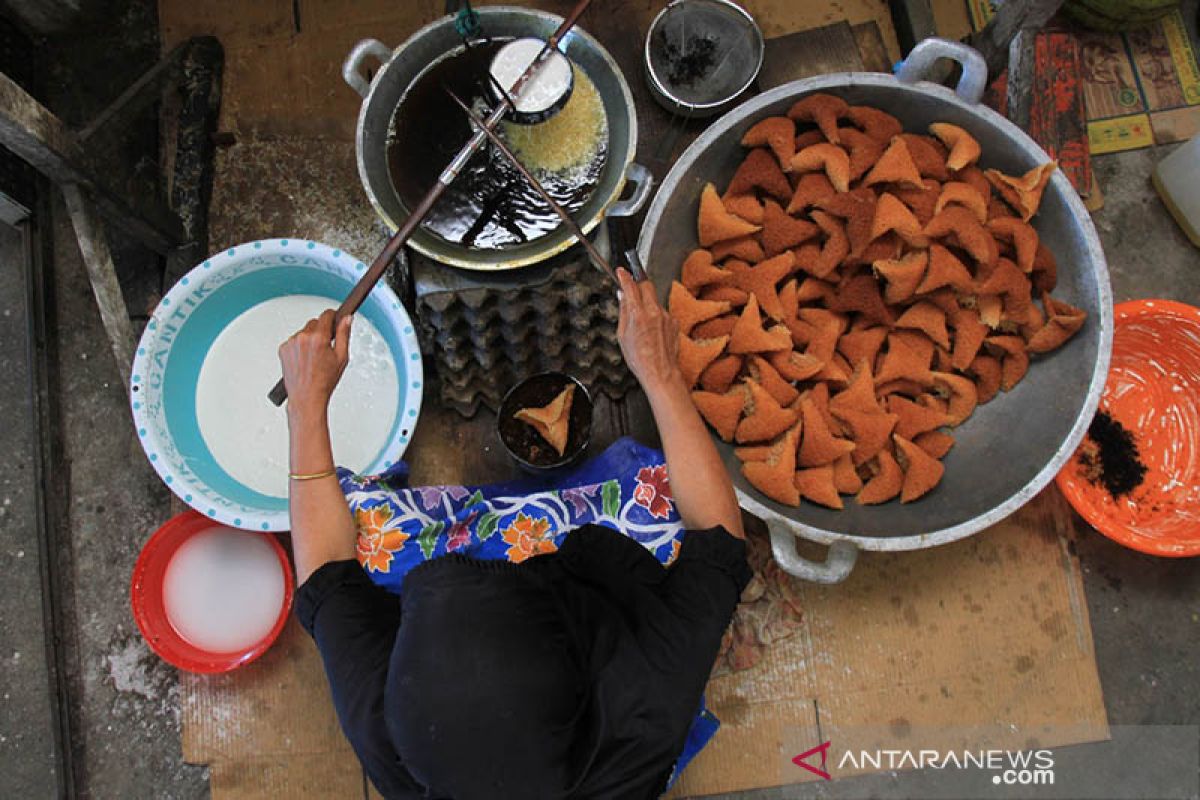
<point>489,206</point>
<point>689,60</point>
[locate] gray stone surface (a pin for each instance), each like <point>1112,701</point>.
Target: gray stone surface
<point>27,721</point>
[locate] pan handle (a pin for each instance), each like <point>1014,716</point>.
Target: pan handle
<point>919,65</point>
<point>643,184</point>
<point>352,72</point>
<point>837,565</point>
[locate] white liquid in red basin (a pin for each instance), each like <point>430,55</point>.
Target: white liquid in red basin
<point>248,435</point>
<point>223,590</point>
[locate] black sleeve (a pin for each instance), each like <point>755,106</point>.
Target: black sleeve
<point>354,624</point>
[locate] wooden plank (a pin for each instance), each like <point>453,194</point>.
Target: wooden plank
<point>1013,16</point>
<point>1021,67</point>
<point>914,21</point>
<point>871,49</point>
<point>34,134</point>
<point>102,274</point>
<point>831,48</point>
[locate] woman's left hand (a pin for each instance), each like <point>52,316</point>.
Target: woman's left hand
<point>649,337</point>
<point>313,360</point>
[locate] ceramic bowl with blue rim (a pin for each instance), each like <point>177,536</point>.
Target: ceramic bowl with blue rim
<point>181,331</point>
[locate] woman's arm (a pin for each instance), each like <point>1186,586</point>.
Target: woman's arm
<point>650,339</point>
<point>322,528</point>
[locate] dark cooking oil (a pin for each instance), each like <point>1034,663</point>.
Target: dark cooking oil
<point>489,205</point>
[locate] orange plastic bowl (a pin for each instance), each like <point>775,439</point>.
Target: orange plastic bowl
<point>146,597</point>
<point>1153,389</point>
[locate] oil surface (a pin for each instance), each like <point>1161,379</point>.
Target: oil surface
<point>490,205</point>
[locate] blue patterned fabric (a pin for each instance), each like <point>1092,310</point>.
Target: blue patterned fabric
<point>624,488</point>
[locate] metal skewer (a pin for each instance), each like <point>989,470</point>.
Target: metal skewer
<point>571,225</point>
<point>367,282</point>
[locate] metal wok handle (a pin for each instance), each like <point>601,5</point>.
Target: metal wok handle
<point>837,565</point>
<point>919,65</point>
<point>352,71</point>
<point>643,184</point>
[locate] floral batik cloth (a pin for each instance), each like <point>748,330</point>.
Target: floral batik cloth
<point>624,488</point>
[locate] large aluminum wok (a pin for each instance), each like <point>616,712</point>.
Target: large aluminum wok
<point>1011,447</point>
<point>403,66</point>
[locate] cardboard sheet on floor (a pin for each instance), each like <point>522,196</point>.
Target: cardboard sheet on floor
<point>980,644</point>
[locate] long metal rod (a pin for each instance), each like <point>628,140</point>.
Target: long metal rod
<point>572,226</point>
<point>367,282</point>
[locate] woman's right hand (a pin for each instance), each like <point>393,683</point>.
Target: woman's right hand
<point>313,361</point>
<point>649,337</point>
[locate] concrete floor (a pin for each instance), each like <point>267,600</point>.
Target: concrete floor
<point>124,716</point>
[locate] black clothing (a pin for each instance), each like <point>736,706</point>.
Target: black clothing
<point>573,674</point>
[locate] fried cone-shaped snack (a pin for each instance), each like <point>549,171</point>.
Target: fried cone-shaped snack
<point>808,139</point>
<point>825,156</point>
<point>862,344</point>
<point>859,394</point>
<point>928,318</point>
<point>721,373</point>
<point>775,476</point>
<point>755,452</point>
<point>892,215</point>
<point>818,446</point>
<point>965,195</point>
<point>990,308</point>
<point>781,231</point>
<point>812,188</point>
<point>1023,193</point>
<point>825,328</point>
<point>553,420</point>
<point>765,418</point>
<point>689,312</point>
<point>974,176</point>
<point>1005,278</point>
<point>885,485</point>
<point>778,133</point>
<point>769,378</point>
<point>895,166</point>
<point>923,201</point>
<point>721,411</point>
<point>960,223</point>
<point>921,471</point>
<point>1064,322</point>
<point>969,334</point>
<point>760,170</point>
<point>903,275</point>
<point>835,248</point>
<point>869,432</point>
<point>1045,269</point>
<point>696,355</point>
<point>902,362</point>
<point>935,443</point>
<point>715,223</point>
<point>945,270</point>
<point>914,419</point>
<point>824,110</point>
<point>730,295</point>
<point>886,248</point>
<point>928,155</point>
<point>987,373</point>
<point>1014,362</point>
<point>879,125</point>
<point>760,281</point>
<point>961,393</point>
<point>863,150</point>
<point>744,206</point>
<point>1023,237</point>
<point>793,366</point>
<point>698,271</point>
<point>715,327</point>
<point>818,485</point>
<point>861,293</point>
<point>812,289</point>
<point>845,476</point>
<point>745,248</point>
<point>917,341</point>
<point>749,335</point>
<point>964,150</point>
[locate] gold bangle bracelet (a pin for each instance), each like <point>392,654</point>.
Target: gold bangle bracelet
<point>312,476</point>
